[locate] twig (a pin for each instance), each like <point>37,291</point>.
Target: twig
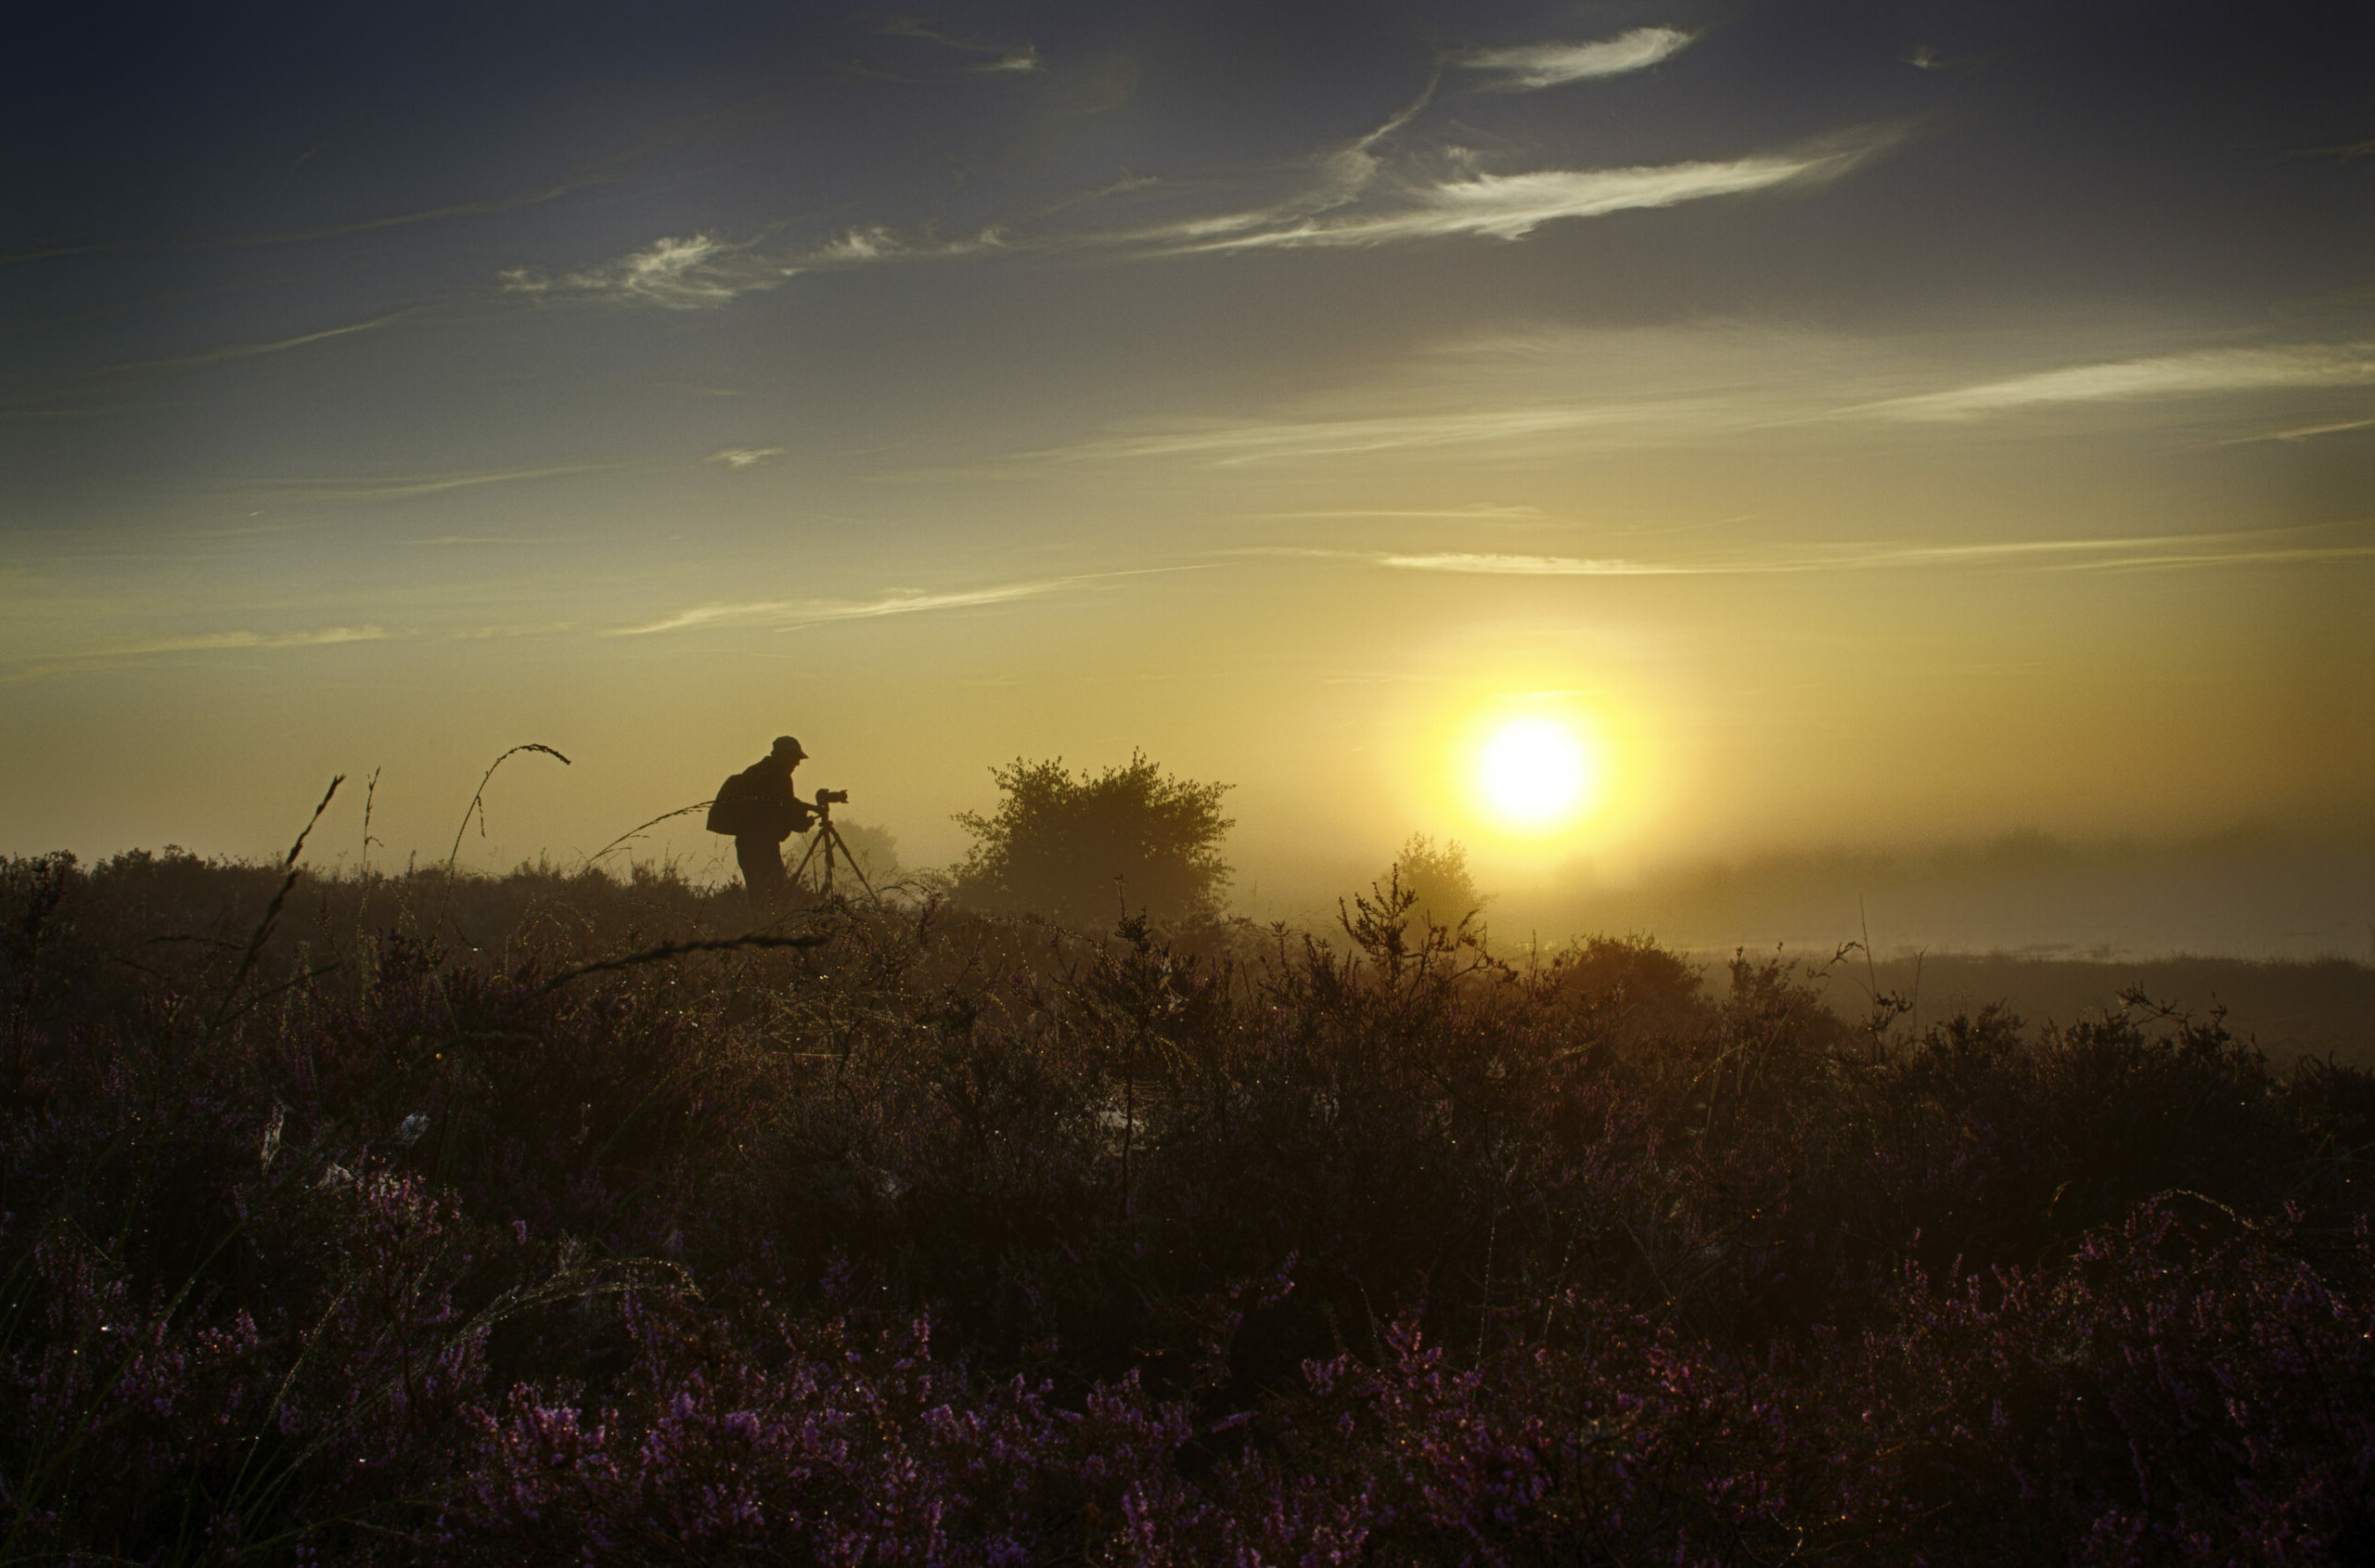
<point>677,949</point>
<point>478,806</point>
<point>632,833</point>
<point>477,800</point>
<point>363,867</point>
<point>272,912</point>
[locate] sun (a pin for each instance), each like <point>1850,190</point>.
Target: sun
<point>1536,773</point>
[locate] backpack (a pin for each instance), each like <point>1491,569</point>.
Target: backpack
<point>742,811</point>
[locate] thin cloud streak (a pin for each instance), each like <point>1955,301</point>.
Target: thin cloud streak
<point>248,350</point>
<point>1285,440</point>
<point>423,484</point>
<point>211,641</point>
<point>1727,386</point>
<point>2305,556</point>
<point>703,271</point>
<point>1531,566</point>
<point>2301,433</point>
<point>789,614</point>
<point>1481,512</point>
<point>102,374</point>
<point>2213,370</point>
<point>1004,57</point>
<point>1507,206</point>
<point>2150,551</point>
<point>674,273</point>
<point>1530,66</point>
<point>21,669</point>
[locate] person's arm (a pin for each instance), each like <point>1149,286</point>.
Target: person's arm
<point>793,814</point>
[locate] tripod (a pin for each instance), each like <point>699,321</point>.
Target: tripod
<point>827,839</point>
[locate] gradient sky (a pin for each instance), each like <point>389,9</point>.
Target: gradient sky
<point>1878,424</point>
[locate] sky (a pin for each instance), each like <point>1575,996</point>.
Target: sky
<point>1861,426</point>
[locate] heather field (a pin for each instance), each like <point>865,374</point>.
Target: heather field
<point>562,1218</point>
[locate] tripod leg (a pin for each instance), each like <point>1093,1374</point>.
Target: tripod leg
<point>853,860</point>
<point>814,844</point>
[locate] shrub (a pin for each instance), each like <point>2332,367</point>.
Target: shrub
<point>1059,844</point>
<point>1444,894</point>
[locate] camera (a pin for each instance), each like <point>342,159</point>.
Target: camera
<point>832,797</point>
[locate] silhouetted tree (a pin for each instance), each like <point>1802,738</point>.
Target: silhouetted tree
<point>1445,893</point>
<point>1057,841</point>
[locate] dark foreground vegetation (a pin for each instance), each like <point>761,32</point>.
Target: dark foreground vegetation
<point>414,1234</point>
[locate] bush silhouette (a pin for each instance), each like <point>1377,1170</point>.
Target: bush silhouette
<point>1058,844</point>
<point>1438,874</point>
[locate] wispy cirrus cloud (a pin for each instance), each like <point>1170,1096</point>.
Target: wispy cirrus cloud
<point>2204,371</point>
<point>673,273</point>
<point>1290,438</point>
<point>1358,193</point>
<point>1349,205</point>
<point>19,667</point>
<point>60,662</point>
<point>789,614</point>
<point>1013,60</point>
<point>72,395</point>
<point>1525,67</point>
<point>2167,559</point>
<point>406,486</point>
<point>2302,432</point>
<point>1486,565</point>
<point>249,350</point>
<point>1502,206</point>
<point>880,242</point>
<point>1520,395</point>
<point>998,57</point>
<point>202,642</point>
<point>2343,152</point>
<point>2242,547</point>
<point>1481,511</point>
<point>744,457</point>
<point>703,271</point>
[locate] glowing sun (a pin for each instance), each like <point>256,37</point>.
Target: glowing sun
<point>1536,772</point>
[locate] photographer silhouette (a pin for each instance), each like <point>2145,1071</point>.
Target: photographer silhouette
<point>759,809</point>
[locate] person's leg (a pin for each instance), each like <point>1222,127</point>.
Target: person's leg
<point>763,871</point>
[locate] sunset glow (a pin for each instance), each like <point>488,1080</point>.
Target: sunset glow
<point>1821,429</point>
<point>1536,773</point>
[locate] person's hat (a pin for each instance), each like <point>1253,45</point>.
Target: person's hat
<point>786,747</point>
